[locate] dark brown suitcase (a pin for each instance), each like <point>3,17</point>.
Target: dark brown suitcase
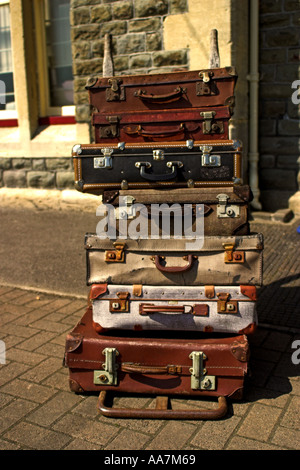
<point>156,365</point>
<point>100,167</point>
<point>162,125</point>
<point>225,211</point>
<point>185,89</point>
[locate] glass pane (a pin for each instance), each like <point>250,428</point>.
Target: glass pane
<point>59,52</point>
<point>7,97</point>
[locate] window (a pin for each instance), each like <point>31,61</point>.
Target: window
<point>58,44</point>
<point>54,57</point>
<point>7,97</point>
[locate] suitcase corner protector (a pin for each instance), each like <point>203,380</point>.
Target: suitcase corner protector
<point>73,341</point>
<point>79,185</point>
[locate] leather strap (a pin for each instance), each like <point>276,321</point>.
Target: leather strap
<point>209,291</point>
<point>137,290</point>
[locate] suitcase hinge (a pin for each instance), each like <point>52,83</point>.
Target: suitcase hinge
<point>107,376</point>
<point>125,211</point>
<point>226,210</point>
<point>210,127</point>
<point>232,256</point>
<point>115,92</point>
<point>224,305</point>
<point>199,379</point>
<point>117,255</point>
<point>106,161</point>
<point>207,159</point>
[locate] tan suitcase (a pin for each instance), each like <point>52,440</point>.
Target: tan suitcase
<point>232,260</point>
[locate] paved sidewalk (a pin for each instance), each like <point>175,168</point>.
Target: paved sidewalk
<point>37,409</point>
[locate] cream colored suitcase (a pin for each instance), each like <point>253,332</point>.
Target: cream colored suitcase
<point>232,260</point>
<point>220,309</point>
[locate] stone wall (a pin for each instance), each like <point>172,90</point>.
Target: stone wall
<point>46,173</point>
<point>279,117</point>
<point>136,27</point>
<point>142,43</point>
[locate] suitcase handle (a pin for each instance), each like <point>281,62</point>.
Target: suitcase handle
<point>161,411</point>
<point>140,131</point>
<point>139,369</point>
<point>166,98</point>
<point>152,177</point>
<point>173,269</point>
<point>146,309</point>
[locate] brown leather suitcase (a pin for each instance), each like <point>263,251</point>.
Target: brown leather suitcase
<point>100,167</point>
<point>162,125</point>
<point>156,365</point>
<point>225,211</point>
<point>172,90</point>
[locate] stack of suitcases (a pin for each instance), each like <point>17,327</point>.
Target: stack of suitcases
<point>168,315</point>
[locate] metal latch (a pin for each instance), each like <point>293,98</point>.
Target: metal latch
<point>224,305</point>
<point>121,304</point>
<point>117,255</point>
<point>226,210</point>
<point>232,256</point>
<point>158,155</point>
<point>116,92</point>
<point>210,127</point>
<point>206,75</point>
<point>107,376</point>
<point>106,161</point>
<point>110,131</point>
<point>199,379</point>
<point>125,209</point>
<point>207,86</point>
<point>207,159</point>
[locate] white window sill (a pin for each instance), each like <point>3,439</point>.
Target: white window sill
<point>49,141</point>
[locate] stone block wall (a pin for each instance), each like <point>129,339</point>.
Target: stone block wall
<point>39,173</point>
<point>279,125</point>
<point>136,27</point>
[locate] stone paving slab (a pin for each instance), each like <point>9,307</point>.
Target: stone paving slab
<point>39,412</point>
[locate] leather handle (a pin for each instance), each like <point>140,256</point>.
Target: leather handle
<point>153,177</point>
<point>161,412</point>
<point>147,309</point>
<point>166,98</point>
<point>173,269</point>
<point>144,369</point>
<point>140,131</point>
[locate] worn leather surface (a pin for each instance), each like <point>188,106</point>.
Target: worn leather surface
<point>208,266</point>
<point>161,125</point>
<point>238,196</point>
<point>227,359</point>
<point>176,89</point>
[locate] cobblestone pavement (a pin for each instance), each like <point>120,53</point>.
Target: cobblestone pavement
<point>39,412</point>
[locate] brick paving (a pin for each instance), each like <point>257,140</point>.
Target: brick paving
<point>39,412</point>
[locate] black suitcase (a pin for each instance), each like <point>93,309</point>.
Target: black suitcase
<point>100,167</point>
